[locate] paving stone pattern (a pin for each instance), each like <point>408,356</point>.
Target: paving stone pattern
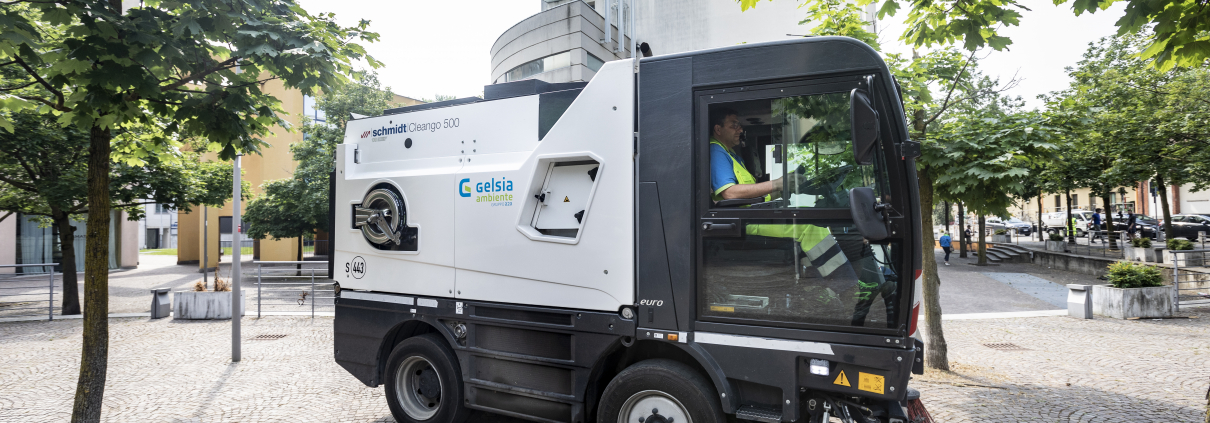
<point>164,370</point>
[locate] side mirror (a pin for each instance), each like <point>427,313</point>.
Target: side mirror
<point>868,214</point>
<point>864,121</point>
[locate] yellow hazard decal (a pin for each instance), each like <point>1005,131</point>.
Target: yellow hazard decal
<point>842,380</point>
<point>726,309</point>
<point>871,383</point>
<point>566,200</point>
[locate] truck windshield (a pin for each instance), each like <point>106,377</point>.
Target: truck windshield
<point>801,270</point>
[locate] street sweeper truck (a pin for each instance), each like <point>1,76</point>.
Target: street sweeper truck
<point>710,236</point>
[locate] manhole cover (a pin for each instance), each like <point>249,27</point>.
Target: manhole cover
<point>1005,346</point>
<point>267,337</point>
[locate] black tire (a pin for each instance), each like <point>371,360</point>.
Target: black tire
<point>409,381</point>
<point>658,381</point>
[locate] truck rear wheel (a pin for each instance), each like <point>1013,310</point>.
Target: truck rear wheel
<point>423,382</point>
<point>660,391</point>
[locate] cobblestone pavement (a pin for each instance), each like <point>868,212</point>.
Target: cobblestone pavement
<point>1101,370</point>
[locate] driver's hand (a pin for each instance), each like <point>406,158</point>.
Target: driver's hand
<point>776,185</point>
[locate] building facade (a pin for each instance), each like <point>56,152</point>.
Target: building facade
<point>26,239</point>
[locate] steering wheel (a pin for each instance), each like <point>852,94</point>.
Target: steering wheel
<point>825,184</point>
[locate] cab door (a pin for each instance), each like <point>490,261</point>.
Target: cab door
<point>792,259</point>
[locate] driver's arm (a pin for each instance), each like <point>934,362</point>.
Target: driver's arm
<point>759,189</point>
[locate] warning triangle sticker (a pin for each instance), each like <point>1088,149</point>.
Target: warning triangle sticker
<point>842,380</point>
<point>566,200</point>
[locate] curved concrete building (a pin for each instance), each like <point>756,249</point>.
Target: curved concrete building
<point>560,44</point>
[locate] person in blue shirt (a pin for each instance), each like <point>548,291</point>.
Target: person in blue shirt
<point>947,246</point>
<point>729,176</point>
<point>1096,226</point>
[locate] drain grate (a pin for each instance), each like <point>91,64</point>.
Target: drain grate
<point>267,337</point>
<point>1005,346</point>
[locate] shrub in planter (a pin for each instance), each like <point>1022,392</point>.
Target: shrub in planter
<point>1179,244</point>
<point>1124,274</point>
<point>1136,291</point>
<point>1141,243</point>
<point>1001,232</point>
<point>1056,237</point>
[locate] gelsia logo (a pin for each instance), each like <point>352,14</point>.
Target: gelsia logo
<point>497,192</point>
<point>386,130</point>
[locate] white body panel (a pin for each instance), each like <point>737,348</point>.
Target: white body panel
<point>475,235</point>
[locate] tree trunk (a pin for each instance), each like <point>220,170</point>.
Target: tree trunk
<point>299,257</point>
<point>1041,235</point>
<point>1163,191</point>
<point>982,240</point>
<point>947,216</point>
<point>90,389</point>
<point>961,231</point>
<point>1107,217</point>
<point>935,351</point>
<point>67,238</point>
<point>1071,229</point>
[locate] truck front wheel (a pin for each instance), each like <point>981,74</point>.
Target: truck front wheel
<point>423,382</point>
<point>658,391</point>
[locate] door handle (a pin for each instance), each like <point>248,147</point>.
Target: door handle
<point>718,226</point>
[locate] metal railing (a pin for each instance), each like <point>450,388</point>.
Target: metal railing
<point>290,285</point>
<point>23,293</point>
<point>1190,286</point>
<point>315,248</point>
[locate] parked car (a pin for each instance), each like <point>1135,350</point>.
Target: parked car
<point>994,224</point>
<point>1188,225</point>
<point>1055,222</point>
<point>1146,226</point>
<point>1022,227</point>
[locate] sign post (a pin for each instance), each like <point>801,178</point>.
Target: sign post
<point>236,250</point>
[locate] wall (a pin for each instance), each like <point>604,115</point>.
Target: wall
<point>8,242</point>
<point>128,242</point>
<point>673,26</point>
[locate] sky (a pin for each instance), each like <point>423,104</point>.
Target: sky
<point>442,47</point>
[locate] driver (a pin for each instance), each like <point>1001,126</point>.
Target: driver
<point>729,179</point>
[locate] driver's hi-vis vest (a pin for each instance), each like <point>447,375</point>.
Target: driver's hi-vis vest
<point>821,249</point>
<point>742,176</point>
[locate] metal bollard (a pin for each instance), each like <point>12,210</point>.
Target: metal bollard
<point>1079,301</point>
<point>160,305</point>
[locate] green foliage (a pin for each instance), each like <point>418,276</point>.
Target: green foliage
<point>1001,232</point>
<point>1179,244</point>
<point>1125,274</point>
<point>1056,237</point>
<point>194,69</point>
<point>43,172</point>
<point>838,17</point>
<point>439,97</point>
<point>1141,242</point>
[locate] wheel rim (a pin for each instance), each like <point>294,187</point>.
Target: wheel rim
<point>418,388</point>
<point>653,407</point>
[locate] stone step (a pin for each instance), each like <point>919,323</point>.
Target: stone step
<point>1013,248</point>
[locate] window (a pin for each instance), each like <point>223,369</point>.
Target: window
<point>762,264</point>
<point>311,112</point>
<point>1075,201</point>
<point>1057,203</point>
<point>545,64</point>
<point>595,63</point>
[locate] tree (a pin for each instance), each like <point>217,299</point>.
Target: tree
<point>298,206</point>
<point>194,68</point>
<point>43,172</point>
<point>994,151</point>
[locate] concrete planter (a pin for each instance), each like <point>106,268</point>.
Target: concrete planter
<point>1124,303</point>
<point>1004,239</point>
<point>1187,260</point>
<point>1147,255</point>
<point>1056,246</point>
<point>208,305</point>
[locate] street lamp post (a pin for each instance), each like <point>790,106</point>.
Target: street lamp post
<point>236,256</point>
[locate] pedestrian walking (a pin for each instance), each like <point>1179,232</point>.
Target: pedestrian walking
<point>1130,225</point>
<point>1096,227</point>
<point>966,238</point>
<point>947,246</point>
